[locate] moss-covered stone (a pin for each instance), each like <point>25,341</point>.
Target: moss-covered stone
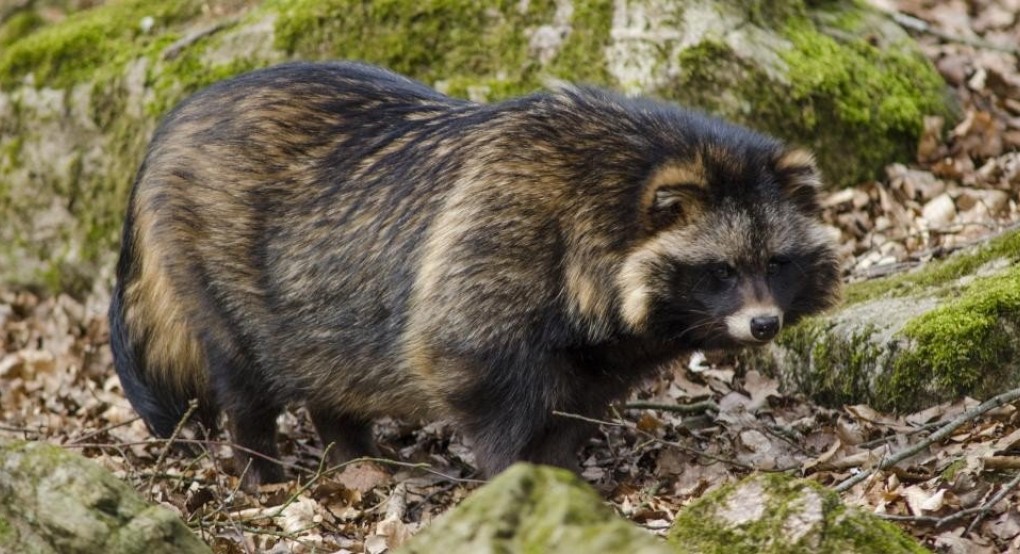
<point>823,71</point>
<point>905,342</point>
<point>79,99</point>
<point>534,509</point>
<point>490,51</point>
<point>100,40</point>
<point>779,514</point>
<point>18,25</point>
<point>1006,247</point>
<point>54,501</point>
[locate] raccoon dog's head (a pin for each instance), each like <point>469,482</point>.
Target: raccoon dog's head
<point>731,248</point>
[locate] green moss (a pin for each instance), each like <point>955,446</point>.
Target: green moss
<point>456,43</point>
<point>698,528</point>
<point>189,72</point>
<point>875,96</point>
<point>1006,247</point>
<point>19,25</point>
<point>772,13</point>
<point>834,369</point>
<point>10,153</point>
<point>7,532</point>
<point>105,38</point>
<point>968,345</point>
<point>949,474</point>
<point>879,94</point>
<point>533,509</point>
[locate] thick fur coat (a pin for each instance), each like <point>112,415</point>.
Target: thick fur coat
<point>341,237</point>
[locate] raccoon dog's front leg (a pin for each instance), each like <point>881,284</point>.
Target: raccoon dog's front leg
<point>251,410</point>
<point>345,436</point>
<point>505,406</point>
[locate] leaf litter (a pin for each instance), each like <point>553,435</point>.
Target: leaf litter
<point>649,458</point>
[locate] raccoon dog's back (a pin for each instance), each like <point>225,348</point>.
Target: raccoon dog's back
<point>339,236</point>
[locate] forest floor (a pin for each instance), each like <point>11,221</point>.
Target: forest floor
<point>955,495</point>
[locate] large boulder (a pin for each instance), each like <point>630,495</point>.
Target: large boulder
<point>905,342</point>
<point>79,99</point>
<point>54,501</point>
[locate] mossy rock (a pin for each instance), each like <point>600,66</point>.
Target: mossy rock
<point>79,99</point>
<point>777,514</point>
<point>905,342</point>
<point>531,508</point>
<point>52,500</point>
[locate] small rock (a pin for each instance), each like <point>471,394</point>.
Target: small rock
<point>983,203</point>
<point>777,513</point>
<point>939,211</point>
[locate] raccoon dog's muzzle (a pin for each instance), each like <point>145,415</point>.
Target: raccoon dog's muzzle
<point>755,323</point>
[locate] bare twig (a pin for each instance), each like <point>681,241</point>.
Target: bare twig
<point>587,419</point>
<point>919,25</point>
<point>20,430</point>
<point>205,443</point>
<point>980,511</point>
<point>171,52</point>
<point>983,511</point>
<point>692,408</point>
<point>1001,462</point>
<point>106,429</point>
<point>407,465</point>
<point>882,440</point>
<point>192,406</point>
<point>942,433</point>
<point>916,258</point>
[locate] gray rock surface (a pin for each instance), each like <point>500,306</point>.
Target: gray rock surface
<point>905,342</point>
<point>777,514</point>
<point>55,501</point>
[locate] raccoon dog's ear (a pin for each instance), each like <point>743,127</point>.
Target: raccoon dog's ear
<point>799,179</point>
<point>674,193</point>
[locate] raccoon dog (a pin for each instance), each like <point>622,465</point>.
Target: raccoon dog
<point>339,236</point>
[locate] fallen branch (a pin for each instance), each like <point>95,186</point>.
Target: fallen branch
<point>980,511</point>
<point>106,429</point>
<point>692,408</point>
<point>1001,462</point>
<point>921,26</point>
<point>937,436</point>
<point>192,406</point>
<point>987,507</point>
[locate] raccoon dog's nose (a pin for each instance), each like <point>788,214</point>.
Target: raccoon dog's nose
<point>764,327</point>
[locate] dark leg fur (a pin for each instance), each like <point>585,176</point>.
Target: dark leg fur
<point>535,436</point>
<point>507,411</point>
<point>346,436</point>
<point>250,406</point>
<point>559,444</point>
<point>254,428</point>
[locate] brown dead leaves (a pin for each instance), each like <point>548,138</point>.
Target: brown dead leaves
<point>965,183</point>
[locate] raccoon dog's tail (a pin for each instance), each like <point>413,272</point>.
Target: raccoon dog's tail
<point>156,356</point>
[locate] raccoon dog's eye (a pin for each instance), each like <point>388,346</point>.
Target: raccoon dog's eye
<point>775,264</point>
<point>723,272</point>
